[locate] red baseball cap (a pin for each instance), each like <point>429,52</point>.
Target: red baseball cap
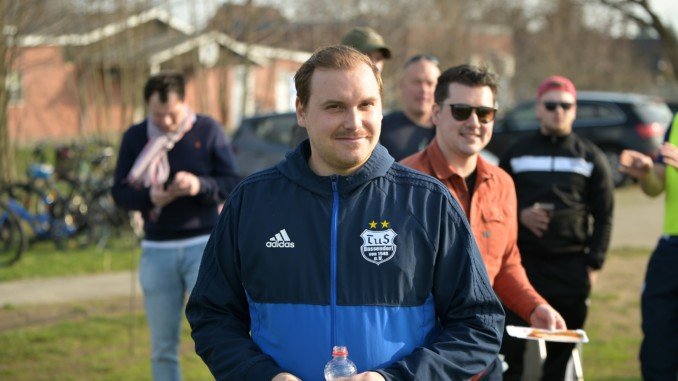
<point>556,82</point>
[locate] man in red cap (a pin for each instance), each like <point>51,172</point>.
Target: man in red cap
<point>565,203</point>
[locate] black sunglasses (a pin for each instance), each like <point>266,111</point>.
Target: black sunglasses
<point>551,106</point>
<point>462,112</point>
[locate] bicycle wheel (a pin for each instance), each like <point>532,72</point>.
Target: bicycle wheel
<point>104,218</point>
<point>12,237</point>
<point>63,230</point>
<point>34,207</point>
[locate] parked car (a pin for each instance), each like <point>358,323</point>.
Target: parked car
<point>262,141</point>
<point>612,121</point>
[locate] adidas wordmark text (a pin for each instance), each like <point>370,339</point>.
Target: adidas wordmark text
<point>280,240</point>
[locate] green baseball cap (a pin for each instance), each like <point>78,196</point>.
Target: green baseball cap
<point>366,40</point>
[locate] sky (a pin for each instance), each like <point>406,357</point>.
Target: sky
<point>669,9</point>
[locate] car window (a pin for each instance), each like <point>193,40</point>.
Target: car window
<point>275,129</point>
<point>523,118</point>
<point>597,113</point>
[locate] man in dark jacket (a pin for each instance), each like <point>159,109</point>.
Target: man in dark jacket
<point>175,167</point>
<point>408,131</point>
<point>563,182</point>
<point>338,245</point>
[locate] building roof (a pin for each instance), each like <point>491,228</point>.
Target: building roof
<point>86,31</point>
<point>103,39</point>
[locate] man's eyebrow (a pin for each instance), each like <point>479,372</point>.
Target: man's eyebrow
<point>371,99</point>
<point>340,102</point>
<point>331,101</point>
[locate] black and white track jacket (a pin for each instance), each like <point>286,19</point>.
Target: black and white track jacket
<point>574,175</point>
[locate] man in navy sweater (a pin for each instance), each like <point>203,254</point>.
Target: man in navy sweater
<point>339,246</point>
<point>175,167</point>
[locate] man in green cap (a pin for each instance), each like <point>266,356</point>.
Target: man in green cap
<point>367,41</point>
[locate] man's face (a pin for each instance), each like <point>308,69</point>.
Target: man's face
<point>417,87</point>
<point>377,58</point>
<point>554,119</point>
<point>461,139</point>
<point>169,115</point>
<point>343,119</point>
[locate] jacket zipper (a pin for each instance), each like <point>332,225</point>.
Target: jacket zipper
<point>333,259</point>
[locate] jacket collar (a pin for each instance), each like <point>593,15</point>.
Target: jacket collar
<point>554,139</point>
<point>443,170</point>
<point>296,168</point>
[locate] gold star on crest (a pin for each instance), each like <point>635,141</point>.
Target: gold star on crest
<point>384,224</point>
<point>373,225</point>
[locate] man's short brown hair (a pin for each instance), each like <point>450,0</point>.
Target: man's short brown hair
<point>337,57</point>
<point>468,75</point>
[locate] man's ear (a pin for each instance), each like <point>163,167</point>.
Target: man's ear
<point>301,117</point>
<point>435,114</point>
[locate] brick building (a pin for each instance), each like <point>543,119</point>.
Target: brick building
<point>83,75</point>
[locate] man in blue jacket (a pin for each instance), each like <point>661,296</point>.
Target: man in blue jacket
<point>339,245</point>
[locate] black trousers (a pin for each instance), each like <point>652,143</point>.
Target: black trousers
<point>659,307</point>
<point>574,310</point>
<point>564,282</point>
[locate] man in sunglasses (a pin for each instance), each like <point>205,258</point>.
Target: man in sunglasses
<point>463,113</point>
<point>409,130</point>
<point>565,203</point>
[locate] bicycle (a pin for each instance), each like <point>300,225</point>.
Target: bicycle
<point>89,167</point>
<point>43,213</point>
<point>12,238</point>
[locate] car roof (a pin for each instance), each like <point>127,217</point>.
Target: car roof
<point>270,115</point>
<point>610,96</point>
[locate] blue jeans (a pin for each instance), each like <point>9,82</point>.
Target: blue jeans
<point>168,272</point>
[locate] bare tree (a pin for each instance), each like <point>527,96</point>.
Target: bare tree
<point>14,20</point>
<point>557,37</point>
<point>647,19</point>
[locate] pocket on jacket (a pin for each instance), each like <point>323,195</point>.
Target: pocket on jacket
<point>494,233</point>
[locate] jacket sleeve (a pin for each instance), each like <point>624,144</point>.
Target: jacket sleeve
<point>469,313</point>
<point>126,196</point>
<point>601,204</point>
<point>218,312</point>
<point>511,283</point>
<point>223,178</point>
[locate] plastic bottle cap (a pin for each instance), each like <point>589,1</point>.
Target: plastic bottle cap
<point>339,351</point>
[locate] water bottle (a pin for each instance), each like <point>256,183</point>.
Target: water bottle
<point>340,366</point>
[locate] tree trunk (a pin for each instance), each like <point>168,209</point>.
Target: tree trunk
<point>7,53</point>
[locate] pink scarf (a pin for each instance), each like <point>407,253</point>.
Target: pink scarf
<point>151,167</point>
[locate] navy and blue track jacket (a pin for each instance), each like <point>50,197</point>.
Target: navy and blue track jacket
<point>381,261</point>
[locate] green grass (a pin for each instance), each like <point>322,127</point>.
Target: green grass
<point>43,259</point>
<point>613,324</point>
<point>100,346</point>
<point>96,348</point>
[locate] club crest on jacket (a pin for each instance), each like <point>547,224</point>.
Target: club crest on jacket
<point>378,245</point>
